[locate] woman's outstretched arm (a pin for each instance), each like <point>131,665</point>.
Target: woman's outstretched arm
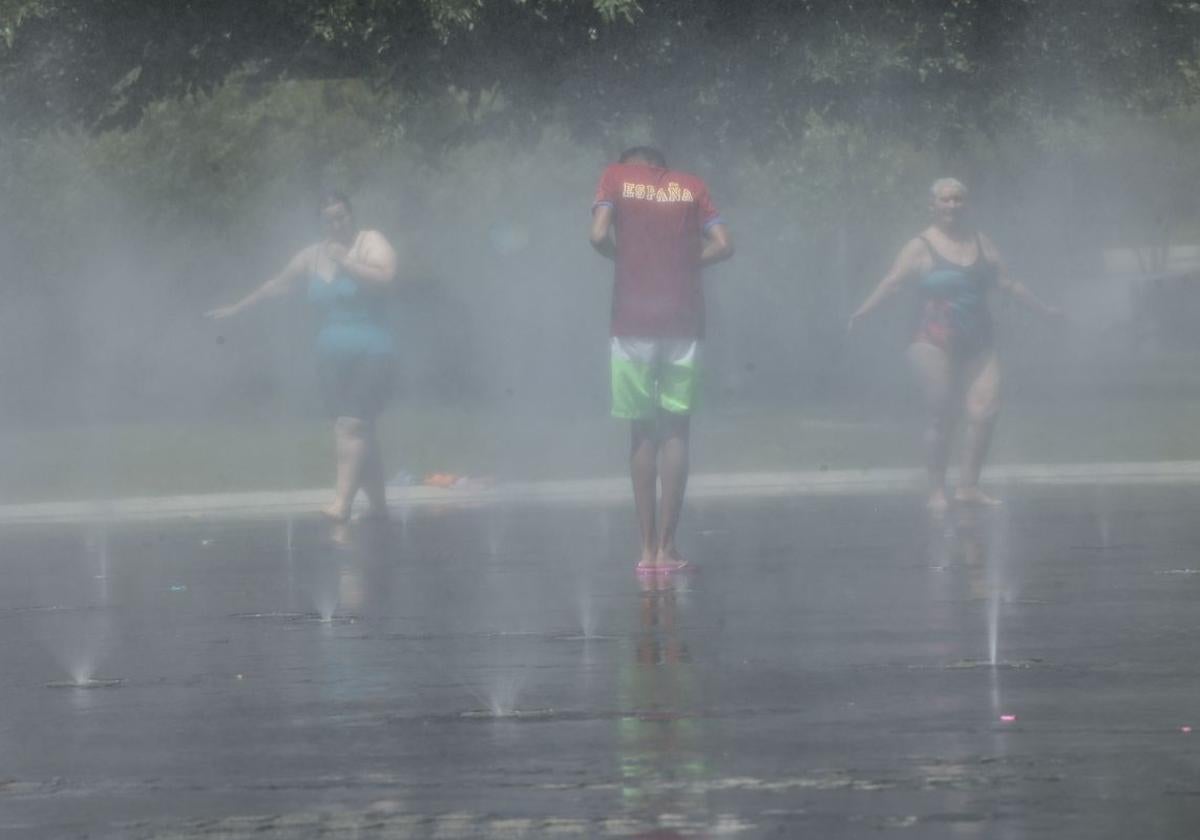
<point>905,266</point>
<point>277,286</point>
<point>1015,288</point>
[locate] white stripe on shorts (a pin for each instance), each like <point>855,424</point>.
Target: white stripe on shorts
<point>650,351</point>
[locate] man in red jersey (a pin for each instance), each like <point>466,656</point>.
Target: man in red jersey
<point>661,228</point>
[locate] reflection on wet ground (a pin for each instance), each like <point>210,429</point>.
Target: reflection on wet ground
<point>835,667</point>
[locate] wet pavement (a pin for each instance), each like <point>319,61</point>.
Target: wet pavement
<point>501,672</point>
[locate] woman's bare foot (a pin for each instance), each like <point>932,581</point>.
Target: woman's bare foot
<point>339,534</point>
<point>336,513</point>
<point>938,504</point>
<point>975,496</point>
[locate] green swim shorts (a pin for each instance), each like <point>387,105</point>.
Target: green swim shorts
<point>653,374</point>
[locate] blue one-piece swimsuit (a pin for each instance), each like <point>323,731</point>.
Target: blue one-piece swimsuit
<point>355,347</point>
<point>954,312</point>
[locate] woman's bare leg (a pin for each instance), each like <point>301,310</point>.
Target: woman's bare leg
<point>982,407</point>
<point>351,450</point>
<point>935,375</point>
<point>373,481</point>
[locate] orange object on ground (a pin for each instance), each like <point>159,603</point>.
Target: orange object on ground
<point>441,479</point>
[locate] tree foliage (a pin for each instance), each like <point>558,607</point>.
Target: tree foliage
<point>727,68</point>
<point>100,62</point>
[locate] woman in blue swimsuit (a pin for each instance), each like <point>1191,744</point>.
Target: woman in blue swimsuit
<point>347,275</point>
<point>952,352</point>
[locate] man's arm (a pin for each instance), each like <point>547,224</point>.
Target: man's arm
<point>718,245</point>
<point>601,234</point>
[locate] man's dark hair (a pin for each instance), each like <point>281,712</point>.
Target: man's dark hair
<point>328,198</point>
<point>646,154</point>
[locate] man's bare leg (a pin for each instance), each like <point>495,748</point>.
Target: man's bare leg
<point>982,406</point>
<point>934,374</point>
<point>674,472</point>
<point>643,468</point>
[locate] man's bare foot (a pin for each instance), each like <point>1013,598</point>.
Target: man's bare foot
<point>937,503</point>
<point>669,559</point>
<point>649,561</point>
<point>335,513</point>
<point>975,496</point>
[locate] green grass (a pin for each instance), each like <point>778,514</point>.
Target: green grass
<point>288,453</point>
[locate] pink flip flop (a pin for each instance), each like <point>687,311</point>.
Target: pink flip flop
<point>665,568</point>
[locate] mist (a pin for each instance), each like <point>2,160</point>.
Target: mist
<point>902,538</point>
<point>120,236</point>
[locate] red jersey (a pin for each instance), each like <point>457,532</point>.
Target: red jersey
<point>660,217</point>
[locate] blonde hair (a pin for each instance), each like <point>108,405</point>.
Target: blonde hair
<point>946,183</point>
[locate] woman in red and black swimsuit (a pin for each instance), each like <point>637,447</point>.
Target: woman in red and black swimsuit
<point>952,352</point>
